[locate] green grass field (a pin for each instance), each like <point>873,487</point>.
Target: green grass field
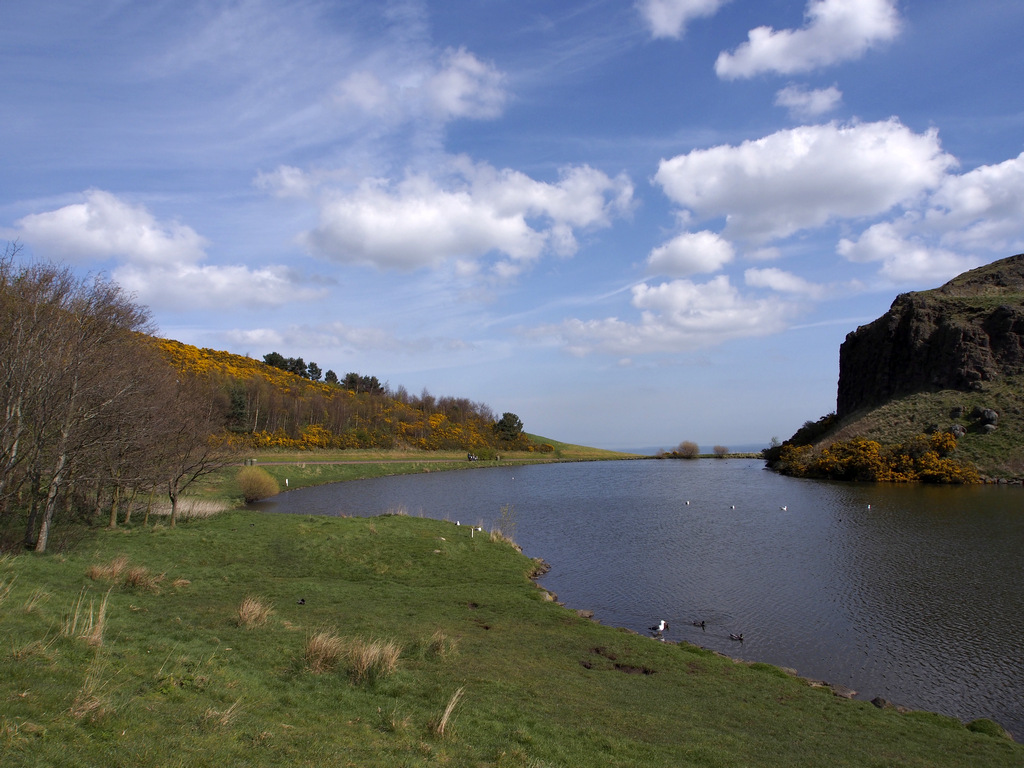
<point>281,640</point>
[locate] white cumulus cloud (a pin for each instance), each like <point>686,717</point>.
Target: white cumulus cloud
<point>160,262</point>
<point>677,316</point>
<point>464,86</point>
<point>691,253</point>
<point>803,103</point>
<point>456,85</point>
<point>983,208</point>
<point>470,212</point>
<point>836,30</point>
<point>969,219</point>
<point>804,177</point>
<point>103,226</point>
<point>668,18</point>
<point>905,257</point>
<point>781,281</point>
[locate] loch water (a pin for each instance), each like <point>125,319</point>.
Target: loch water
<point>912,593</point>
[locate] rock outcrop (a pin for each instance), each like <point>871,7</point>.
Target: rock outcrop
<point>958,336</point>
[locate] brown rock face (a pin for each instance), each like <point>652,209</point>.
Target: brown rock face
<point>969,331</point>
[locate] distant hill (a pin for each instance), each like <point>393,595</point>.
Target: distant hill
<point>949,359</point>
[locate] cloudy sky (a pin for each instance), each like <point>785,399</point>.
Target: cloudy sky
<point>631,223</point>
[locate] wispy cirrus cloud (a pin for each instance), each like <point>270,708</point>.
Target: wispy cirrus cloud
<point>668,18</point>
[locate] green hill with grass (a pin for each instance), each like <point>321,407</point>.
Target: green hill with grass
<point>950,360</point>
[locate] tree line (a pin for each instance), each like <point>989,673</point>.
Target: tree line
<point>90,412</point>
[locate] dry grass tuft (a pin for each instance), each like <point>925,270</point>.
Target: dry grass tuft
<point>86,625</point>
<point>323,651</point>
<point>38,596</point>
<point>110,571</point>
<point>253,612</point>
<point>138,577</point>
<point>90,701</point>
<point>440,726</point>
<point>390,722</point>
<point>189,509</point>
<point>6,587</point>
<point>225,718</point>
<point>179,583</point>
<point>32,648</point>
<point>369,660</point>
<point>441,646</point>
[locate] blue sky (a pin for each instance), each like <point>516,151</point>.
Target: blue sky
<point>630,223</point>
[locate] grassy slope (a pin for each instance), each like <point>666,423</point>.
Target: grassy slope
<point>176,681</point>
<point>999,454</point>
<point>306,468</point>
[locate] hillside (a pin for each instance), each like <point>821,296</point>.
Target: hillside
<point>962,336</point>
<point>267,407</point>
<point>949,359</point>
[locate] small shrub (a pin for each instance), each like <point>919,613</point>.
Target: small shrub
<point>506,525</point>
<point>721,451</point>
<point>253,613</point>
<point>687,450</point>
<point>256,483</point>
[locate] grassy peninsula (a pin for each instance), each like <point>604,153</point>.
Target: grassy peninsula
<point>259,639</point>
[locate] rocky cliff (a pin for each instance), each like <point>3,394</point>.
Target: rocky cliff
<point>956,337</point>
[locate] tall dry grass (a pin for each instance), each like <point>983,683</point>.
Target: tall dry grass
<point>370,660</point>
<point>190,508</point>
<point>6,585</point>
<point>91,700</point>
<point>324,651</point>
<point>83,624</point>
<point>223,717</point>
<point>253,612</point>
<point>39,595</point>
<point>108,571</point>
<point>439,727</point>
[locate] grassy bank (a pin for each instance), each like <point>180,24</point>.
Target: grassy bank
<point>305,468</point>
<point>415,643</point>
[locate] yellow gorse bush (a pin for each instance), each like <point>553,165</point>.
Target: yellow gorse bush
<point>921,459</point>
<point>273,409</point>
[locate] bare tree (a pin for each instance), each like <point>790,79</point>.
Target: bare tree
<point>188,428</point>
<point>89,338</point>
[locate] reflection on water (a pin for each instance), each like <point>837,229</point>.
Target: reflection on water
<point>912,593</point>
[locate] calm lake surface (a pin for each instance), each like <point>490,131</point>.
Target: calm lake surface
<point>912,593</point>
